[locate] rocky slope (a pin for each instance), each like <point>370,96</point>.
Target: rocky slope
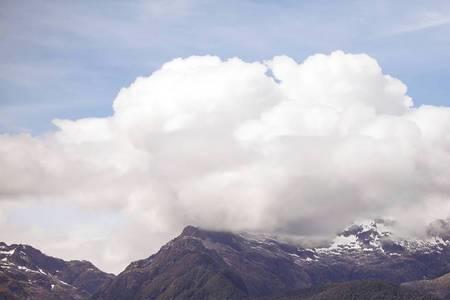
<point>438,287</point>
<point>363,262</point>
<point>201,264</point>
<point>27,273</point>
<point>362,290</point>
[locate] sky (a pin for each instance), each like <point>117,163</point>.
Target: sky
<point>123,120</point>
<point>68,59</point>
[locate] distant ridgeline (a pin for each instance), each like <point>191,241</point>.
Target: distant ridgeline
<point>362,262</point>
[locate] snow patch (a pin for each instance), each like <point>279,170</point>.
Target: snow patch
<point>22,268</point>
<point>10,252</point>
<point>345,241</point>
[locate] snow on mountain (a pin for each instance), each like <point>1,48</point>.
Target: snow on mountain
<point>27,273</point>
<point>226,265</point>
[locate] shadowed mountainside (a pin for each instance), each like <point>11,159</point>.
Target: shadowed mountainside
<point>362,262</point>
<point>27,273</point>
<point>202,264</point>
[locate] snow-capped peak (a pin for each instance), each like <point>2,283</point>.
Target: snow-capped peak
<point>374,235</point>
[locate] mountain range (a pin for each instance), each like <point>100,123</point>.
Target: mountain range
<point>364,261</point>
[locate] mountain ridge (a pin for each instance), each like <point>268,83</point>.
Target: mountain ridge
<point>27,273</point>
<point>363,259</point>
<point>249,268</point>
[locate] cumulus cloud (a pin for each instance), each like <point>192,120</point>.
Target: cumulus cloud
<point>274,146</point>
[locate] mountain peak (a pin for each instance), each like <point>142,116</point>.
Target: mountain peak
<point>226,265</point>
<point>373,236</point>
<point>38,276</point>
<point>190,230</point>
<point>367,232</point>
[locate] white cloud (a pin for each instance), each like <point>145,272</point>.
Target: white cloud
<point>272,146</point>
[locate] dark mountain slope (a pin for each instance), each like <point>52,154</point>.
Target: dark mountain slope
<point>204,265</point>
<point>201,264</point>
<point>439,287</point>
<point>361,290</point>
<point>363,262</point>
<point>27,273</point>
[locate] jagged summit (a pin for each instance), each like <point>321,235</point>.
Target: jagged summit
<point>190,230</point>
<point>369,230</point>
<point>26,272</point>
<point>208,264</point>
<point>367,236</point>
<point>226,265</point>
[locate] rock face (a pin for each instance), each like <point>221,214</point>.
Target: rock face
<point>27,273</point>
<point>201,264</point>
<point>209,265</point>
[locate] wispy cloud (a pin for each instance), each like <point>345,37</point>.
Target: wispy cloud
<point>422,22</point>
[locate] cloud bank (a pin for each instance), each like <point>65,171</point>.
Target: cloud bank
<point>274,146</point>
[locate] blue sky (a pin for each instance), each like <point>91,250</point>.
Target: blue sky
<point>68,59</point>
